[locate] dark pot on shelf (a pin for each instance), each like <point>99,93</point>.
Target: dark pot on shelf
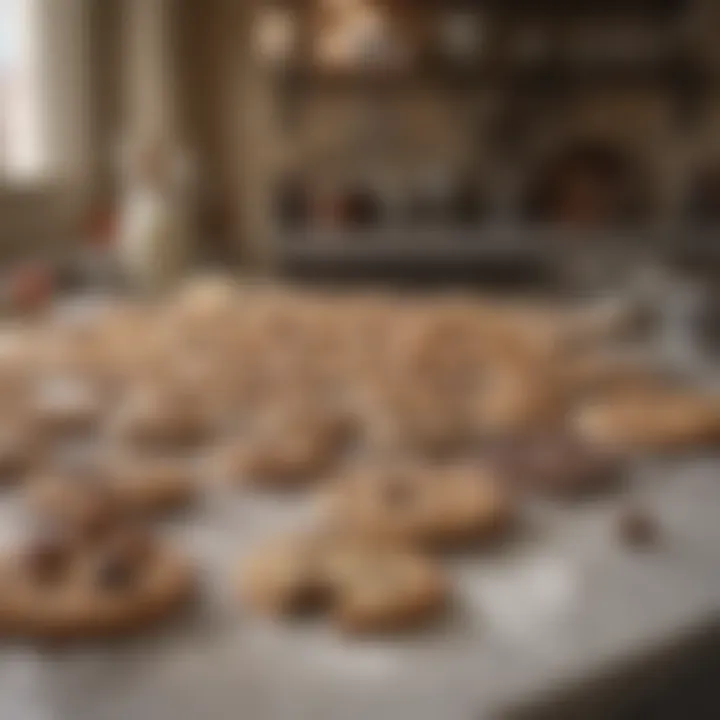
<point>292,206</point>
<point>362,209</point>
<point>465,206</point>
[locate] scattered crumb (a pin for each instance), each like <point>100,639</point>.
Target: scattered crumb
<point>638,528</point>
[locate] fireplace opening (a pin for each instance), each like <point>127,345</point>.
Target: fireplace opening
<point>587,185</point>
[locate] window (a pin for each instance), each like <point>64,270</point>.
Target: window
<point>21,146</point>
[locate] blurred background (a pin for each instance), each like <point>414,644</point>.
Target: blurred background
<point>381,137</point>
<point>567,144</point>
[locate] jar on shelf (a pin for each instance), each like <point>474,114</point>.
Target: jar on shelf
<point>465,203</point>
<point>292,204</point>
<point>275,35</point>
<point>327,207</point>
<point>460,35</point>
<point>357,34</point>
<point>362,208</point>
<point>431,197</point>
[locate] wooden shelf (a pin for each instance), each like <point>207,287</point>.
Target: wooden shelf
<point>480,240</point>
<point>548,76</point>
<point>302,79</point>
<point>652,9</point>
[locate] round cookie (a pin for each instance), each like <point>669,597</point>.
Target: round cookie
<point>83,504</point>
<point>650,420</point>
<point>286,577</point>
<point>66,406</point>
<point>518,400</point>
<point>136,485</point>
<point>556,465</point>
<point>288,450</point>
<point>591,375</point>
<point>365,589</point>
<point>20,448</point>
<point>381,590</point>
<point>423,506</point>
<point>62,586</point>
<point>205,297</point>
<point>152,485</point>
<point>413,417</point>
<point>159,417</point>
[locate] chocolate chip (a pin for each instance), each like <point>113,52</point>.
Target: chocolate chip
<point>48,557</point>
<point>133,545</point>
<point>638,528</point>
<point>115,572</point>
<point>309,599</point>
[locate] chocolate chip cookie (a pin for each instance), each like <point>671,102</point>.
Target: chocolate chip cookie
<point>558,465</point>
<point>425,506</point>
<point>364,588</point>
<point>66,585</point>
<point>657,420</point>
<point>287,450</point>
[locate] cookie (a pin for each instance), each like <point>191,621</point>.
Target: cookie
<point>286,577</point>
<point>414,417</point>
<point>660,420</point>
<point>136,485</point>
<point>159,417</point>
<point>20,448</point>
<point>596,375</point>
<point>57,590</point>
<point>66,407</point>
<point>555,465</point>
<point>423,506</point>
<point>365,589</point>
<point>204,298</point>
<point>287,450</point>
<point>380,590</point>
<point>518,400</point>
<point>84,506</point>
<point>150,485</point>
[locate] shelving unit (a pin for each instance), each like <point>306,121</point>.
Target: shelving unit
<point>674,70</point>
